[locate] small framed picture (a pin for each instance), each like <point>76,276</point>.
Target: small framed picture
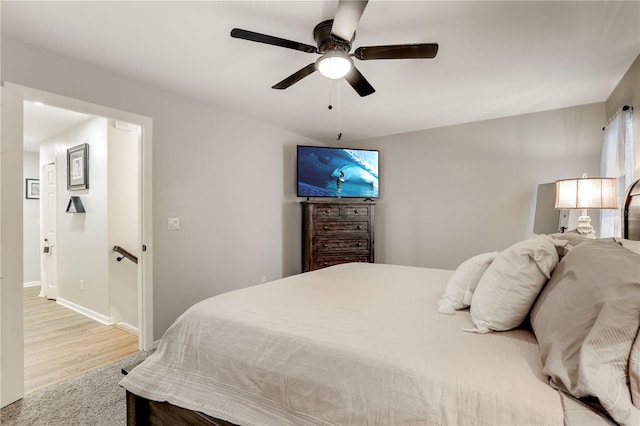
<point>32,189</point>
<point>78,167</point>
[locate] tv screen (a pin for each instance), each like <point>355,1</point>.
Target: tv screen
<point>337,172</point>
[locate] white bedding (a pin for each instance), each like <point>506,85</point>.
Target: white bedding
<point>347,345</point>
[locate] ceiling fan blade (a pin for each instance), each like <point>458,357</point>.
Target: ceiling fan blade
<point>359,83</point>
<point>347,17</point>
<point>267,39</point>
<point>296,77</point>
<point>399,51</point>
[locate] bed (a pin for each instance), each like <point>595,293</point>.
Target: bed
<point>367,344</point>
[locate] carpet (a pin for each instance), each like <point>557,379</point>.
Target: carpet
<point>93,399</point>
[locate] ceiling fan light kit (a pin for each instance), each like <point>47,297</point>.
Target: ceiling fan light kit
<point>334,38</point>
<point>334,65</point>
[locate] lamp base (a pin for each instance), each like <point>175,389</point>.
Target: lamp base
<point>584,226</point>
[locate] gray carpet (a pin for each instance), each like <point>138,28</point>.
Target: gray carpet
<point>91,399</point>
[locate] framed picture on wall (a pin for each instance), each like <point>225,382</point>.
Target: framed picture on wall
<point>32,189</point>
<point>78,167</point>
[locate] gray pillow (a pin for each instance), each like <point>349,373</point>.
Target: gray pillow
<point>629,244</point>
<point>574,237</point>
<point>586,319</point>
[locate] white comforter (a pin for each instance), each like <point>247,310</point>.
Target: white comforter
<point>354,344</point>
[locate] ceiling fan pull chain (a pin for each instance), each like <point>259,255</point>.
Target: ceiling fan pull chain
<point>339,112</point>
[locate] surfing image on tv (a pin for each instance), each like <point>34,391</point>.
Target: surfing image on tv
<point>337,172</point>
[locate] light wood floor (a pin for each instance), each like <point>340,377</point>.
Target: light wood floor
<point>60,344</point>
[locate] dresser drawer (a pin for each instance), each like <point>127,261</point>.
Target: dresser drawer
<point>327,212</point>
<point>354,245</point>
<point>323,262</point>
<point>329,227</point>
<point>353,212</point>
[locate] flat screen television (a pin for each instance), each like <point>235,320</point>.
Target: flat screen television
<point>337,172</point>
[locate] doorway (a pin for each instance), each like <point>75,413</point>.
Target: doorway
<point>78,268</point>
<point>12,385</point>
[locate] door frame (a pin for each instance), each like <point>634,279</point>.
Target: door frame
<point>145,226</point>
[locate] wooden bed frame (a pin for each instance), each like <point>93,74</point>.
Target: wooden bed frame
<point>141,411</point>
<point>144,412</point>
<point>631,213</point>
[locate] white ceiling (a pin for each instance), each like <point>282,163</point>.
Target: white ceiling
<point>42,122</point>
<point>496,58</point>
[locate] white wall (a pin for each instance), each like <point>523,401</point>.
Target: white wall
<point>83,246</point>
<point>31,224</point>
<point>123,157</point>
<point>228,177</point>
<point>452,192</point>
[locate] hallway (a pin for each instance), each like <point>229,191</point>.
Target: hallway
<point>60,344</point>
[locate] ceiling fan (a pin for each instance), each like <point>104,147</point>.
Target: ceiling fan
<point>333,39</point>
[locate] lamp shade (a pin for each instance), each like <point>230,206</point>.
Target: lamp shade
<point>586,193</point>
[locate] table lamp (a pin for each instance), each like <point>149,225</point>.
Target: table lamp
<point>586,193</point>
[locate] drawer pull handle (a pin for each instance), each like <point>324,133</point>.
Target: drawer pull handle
<point>325,245</point>
<point>325,227</point>
<point>356,211</point>
<point>359,227</point>
<point>359,245</point>
<point>327,211</point>
<point>325,264</point>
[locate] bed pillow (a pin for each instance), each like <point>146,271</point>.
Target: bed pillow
<point>629,244</point>
<point>573,237</point>
<point>586,320</point>
<point>562,245</point>
<point>511,284</point>
<point>463,282</point>
<point>634,372</point>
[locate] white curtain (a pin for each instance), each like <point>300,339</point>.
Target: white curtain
<point>619,161</point>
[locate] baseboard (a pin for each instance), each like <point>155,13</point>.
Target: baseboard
<point>32,284</point>
<point>128,328</point>
<point>86,312</point>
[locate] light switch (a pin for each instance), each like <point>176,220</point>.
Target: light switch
<point>173,223</point>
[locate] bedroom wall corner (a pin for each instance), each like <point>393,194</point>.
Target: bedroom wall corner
<point>452,192</point>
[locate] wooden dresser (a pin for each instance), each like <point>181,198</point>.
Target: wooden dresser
<point>336,232</point>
